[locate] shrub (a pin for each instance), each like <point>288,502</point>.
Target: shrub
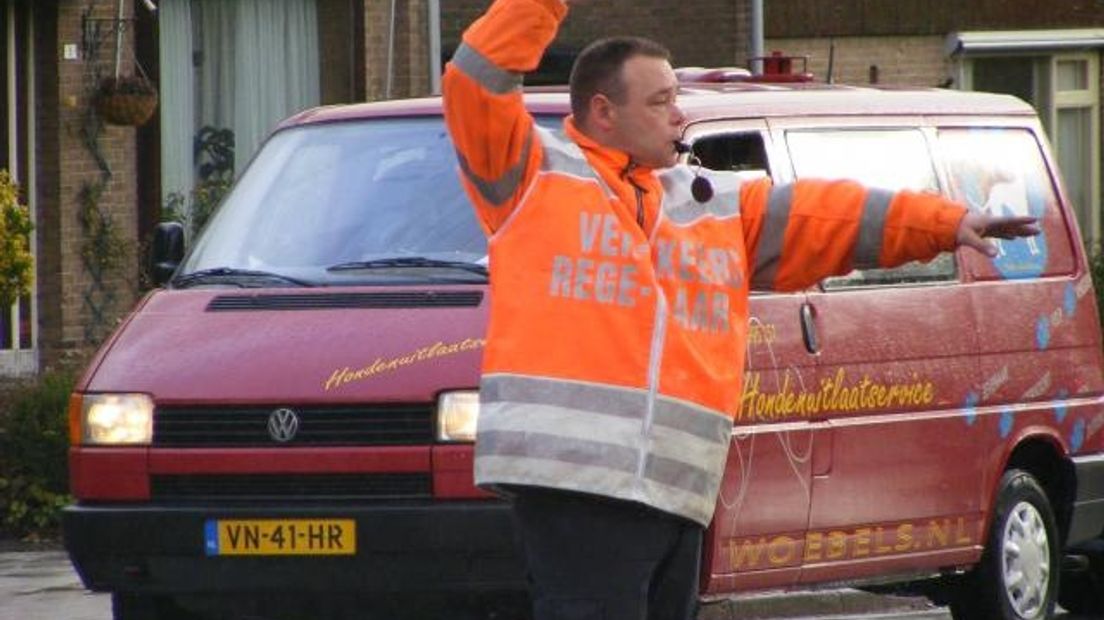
<point>16,262</point>
<point>1096,269</point>
<point>34,476</point>
<point>204,198</point>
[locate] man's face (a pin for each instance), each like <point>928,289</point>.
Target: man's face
<point>647,122</point>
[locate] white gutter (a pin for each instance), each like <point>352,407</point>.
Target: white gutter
<point>994,41</point>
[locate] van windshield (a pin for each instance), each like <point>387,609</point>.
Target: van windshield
<point>380,199</point>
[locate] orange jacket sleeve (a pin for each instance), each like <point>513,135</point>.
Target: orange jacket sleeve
<point>499,154</point>
<point>800,233</point>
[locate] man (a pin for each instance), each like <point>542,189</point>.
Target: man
<point>614,354</point>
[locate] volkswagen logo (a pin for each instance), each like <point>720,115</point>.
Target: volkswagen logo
<point>282,425</point>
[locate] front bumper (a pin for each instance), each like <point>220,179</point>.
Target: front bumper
<point>415,547</point>
<point>1087,518</point>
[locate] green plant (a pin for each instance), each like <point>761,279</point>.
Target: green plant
<point>214,159</point>
<point>1096,270</point>
<point>205,196</point>
<point>105,248</point>
<point>105,251</point>
<point>16,262</point>
<point>214,153</point>
<point>33,468</point>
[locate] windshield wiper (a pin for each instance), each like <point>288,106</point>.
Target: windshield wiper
<point>232,273</point>
<point>408,261</point>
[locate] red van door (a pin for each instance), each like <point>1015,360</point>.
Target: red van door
<point>758,528</point>
<point>758,531</point>
<point>898,354</point>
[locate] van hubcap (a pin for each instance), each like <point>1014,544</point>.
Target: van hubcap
<point>1026,560</point>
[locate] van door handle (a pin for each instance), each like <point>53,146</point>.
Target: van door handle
<point>808,328</point>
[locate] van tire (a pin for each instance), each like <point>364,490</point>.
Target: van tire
<point>1023,518</point>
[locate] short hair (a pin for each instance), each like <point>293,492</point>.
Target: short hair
<point>598,69</point>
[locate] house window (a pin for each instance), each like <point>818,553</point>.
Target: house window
<point>18,331</point>
<point>1076,103</point>
<point>230,71</point>
<point>1058,73</point>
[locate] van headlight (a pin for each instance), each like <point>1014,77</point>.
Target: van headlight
<point>457,414</point>
<point>112,419</point>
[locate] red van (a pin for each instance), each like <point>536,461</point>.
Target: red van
<point>285,426</point>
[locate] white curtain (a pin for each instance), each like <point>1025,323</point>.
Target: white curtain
<point>244,65</point>
<point>216,47</point>
<point>276,67</point>
<point>177,107</point>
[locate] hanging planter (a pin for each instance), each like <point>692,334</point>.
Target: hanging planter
<point>126,100</point>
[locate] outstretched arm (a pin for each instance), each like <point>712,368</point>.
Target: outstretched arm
<point>800,233</point>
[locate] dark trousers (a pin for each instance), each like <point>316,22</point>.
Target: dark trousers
<point>594,558</point>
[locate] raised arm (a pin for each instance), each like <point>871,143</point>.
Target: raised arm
<point>490,127</point>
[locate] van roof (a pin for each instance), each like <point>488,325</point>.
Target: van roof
<point>709,101</point>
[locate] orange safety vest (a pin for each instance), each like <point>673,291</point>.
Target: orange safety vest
<point>619,304</point>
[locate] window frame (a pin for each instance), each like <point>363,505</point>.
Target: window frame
<point>19,97</point>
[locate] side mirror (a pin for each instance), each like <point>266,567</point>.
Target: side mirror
<point>166,251</point>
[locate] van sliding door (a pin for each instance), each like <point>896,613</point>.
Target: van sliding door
<point>898,354</point>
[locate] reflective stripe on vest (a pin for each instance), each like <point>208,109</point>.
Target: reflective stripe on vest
<point>868,247</point>
<point>562,156</point>
<point>768,255</point>
<point>498,191</point>
<point>679,204</point>
<point>544,432</point>
<point>484,72</point>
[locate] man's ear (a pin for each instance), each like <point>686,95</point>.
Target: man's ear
<point>602,112</point>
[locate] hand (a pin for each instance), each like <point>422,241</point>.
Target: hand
<point>975,226</point>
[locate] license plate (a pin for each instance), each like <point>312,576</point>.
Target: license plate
<point>280,536</point>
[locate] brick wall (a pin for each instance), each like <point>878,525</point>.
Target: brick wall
<point>75,313</point>
<point>818,18</point>
<point>408,51</point>
<point>899,61</point>
<point>702,32</point>
<point>338,77</point>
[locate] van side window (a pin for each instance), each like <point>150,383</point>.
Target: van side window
<point>739,152</point>
<point>1002,171</point>
<point>887,158</point>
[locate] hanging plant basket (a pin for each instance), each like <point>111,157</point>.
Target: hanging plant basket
<point>126,100</point>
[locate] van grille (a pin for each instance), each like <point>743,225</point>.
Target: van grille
<point>306,487</point>
<point>317,426</point>
<point>321,301</point>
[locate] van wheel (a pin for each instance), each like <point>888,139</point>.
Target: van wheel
<point>1082,591</point>
<point>131,606</point>
<point>1017,578</point>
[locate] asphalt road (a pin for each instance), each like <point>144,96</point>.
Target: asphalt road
<point>41,585</point>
